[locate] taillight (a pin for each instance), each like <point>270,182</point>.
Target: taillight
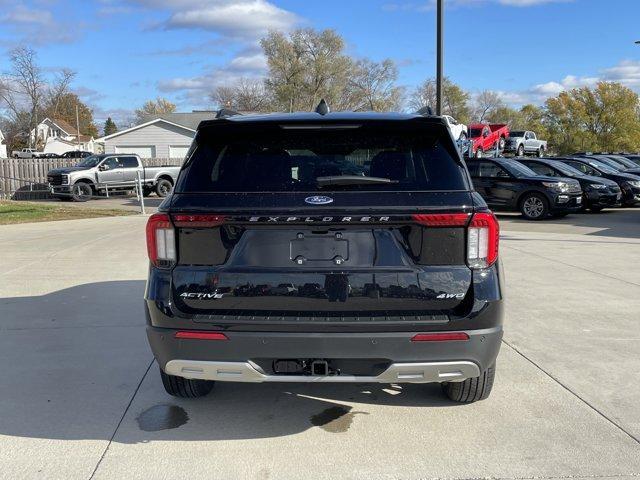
<point>442,219</point>
<point>483,236</point>
<point>197,220</point>
<point>161,240</point>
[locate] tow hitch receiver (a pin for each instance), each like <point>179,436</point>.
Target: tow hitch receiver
<point>319,368</point>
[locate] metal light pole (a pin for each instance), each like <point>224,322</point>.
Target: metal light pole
<point>439,55</point>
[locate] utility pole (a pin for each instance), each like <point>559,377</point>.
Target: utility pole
<point>78,125</point>
<point>439,55</point>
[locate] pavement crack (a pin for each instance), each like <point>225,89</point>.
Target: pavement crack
<point>574,266</point>
<point>568,389</point>
<point>124,414</point>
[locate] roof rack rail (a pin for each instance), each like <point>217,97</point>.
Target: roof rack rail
<point>323,107</point>
<point>226,112</point>
<point>425,111</point>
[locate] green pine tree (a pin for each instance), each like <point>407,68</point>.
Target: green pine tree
<point>110,127</point>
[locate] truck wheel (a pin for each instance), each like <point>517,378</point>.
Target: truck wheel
<point>520,151</point>
<point>479,153</point>
<point>163,187</point>
<point>534,206</point>
<point>472,389</point>
<point>81,192</point>
<point>541,151</point>
<point>501,144</point>
<point>185,387</point>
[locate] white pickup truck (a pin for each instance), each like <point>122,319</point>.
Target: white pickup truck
<point>25,153</point>
<point>98,174</point>
<point>458,130</point>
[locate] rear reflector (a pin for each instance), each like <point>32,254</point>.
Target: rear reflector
<point>201,335</point>
<point>161,244</point>
<point>482,240</point>
<point>440,337</point>
<point>197,220</point>
<point>442,219</point>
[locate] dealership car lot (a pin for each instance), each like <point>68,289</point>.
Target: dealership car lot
<point>82,398</point>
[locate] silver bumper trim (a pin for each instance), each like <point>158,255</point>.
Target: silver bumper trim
<point>423,372</point>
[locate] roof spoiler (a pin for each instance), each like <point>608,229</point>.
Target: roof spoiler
<point>425,111</point>
<point>226,112</point>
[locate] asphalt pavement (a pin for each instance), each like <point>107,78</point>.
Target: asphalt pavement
<point>82,398</point>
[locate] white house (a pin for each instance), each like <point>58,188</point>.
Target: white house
<point>3,146</point>
<point>58,136</point>
<point>163,136</point>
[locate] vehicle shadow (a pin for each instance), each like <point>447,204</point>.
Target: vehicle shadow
<point>79,354</point>
<point>620,223</point>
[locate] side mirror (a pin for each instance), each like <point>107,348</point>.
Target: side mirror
<point>103,167</point>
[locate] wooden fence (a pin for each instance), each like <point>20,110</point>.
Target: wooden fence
<point>26,178</point>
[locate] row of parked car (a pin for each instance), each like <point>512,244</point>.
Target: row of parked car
<point>557,186</point>
<point>33,153</point>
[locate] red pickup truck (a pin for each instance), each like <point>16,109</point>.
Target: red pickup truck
<point>485,136</point>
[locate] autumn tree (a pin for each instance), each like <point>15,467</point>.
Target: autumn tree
<point>305,67</point>
<point>65,109</point>
<point>372,86</point>
<point>603,118</point>
<point>110,127</point>
<point>158,106</point>
<point>455,101</point>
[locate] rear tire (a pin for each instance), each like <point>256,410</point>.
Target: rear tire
<point>541,152</point>
<point>185,387</point>
<point>472,389</point>
<point>520,151</point>
<point>501,143</point>
<point>163,187</point>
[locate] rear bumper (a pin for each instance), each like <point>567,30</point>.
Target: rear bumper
<point>242,356</point>
<point>423,372</point>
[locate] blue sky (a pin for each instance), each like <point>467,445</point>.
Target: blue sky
<point>128,51</point>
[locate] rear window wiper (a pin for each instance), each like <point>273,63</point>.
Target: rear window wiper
<point>351,180</point>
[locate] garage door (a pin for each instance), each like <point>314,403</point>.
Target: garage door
<point>178,151</point>
<point>143,151</point>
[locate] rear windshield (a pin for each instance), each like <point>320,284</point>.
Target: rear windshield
<point>310,158</point>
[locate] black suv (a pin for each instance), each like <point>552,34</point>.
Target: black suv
<point>598,192</point>
<point>509,185</point>
<point>324,247</point>
<point>630,184</point>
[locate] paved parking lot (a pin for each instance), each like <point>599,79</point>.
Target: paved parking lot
<point>81,397</point>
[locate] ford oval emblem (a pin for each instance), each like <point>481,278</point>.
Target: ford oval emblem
<point>318,200</point>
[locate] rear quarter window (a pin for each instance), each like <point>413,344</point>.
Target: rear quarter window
<point>274,158</point>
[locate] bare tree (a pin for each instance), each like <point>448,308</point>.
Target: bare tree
<point>247,95</point>
<point>24,86</point>
<point>486,103</point>
<point>372,86</point>
<point>58,88</point>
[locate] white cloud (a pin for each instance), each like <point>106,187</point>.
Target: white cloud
<point>38,26</point>
<point>235,19</point>
<point>626,72</point>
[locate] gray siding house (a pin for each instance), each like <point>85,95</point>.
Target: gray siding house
<point>163,136</point>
